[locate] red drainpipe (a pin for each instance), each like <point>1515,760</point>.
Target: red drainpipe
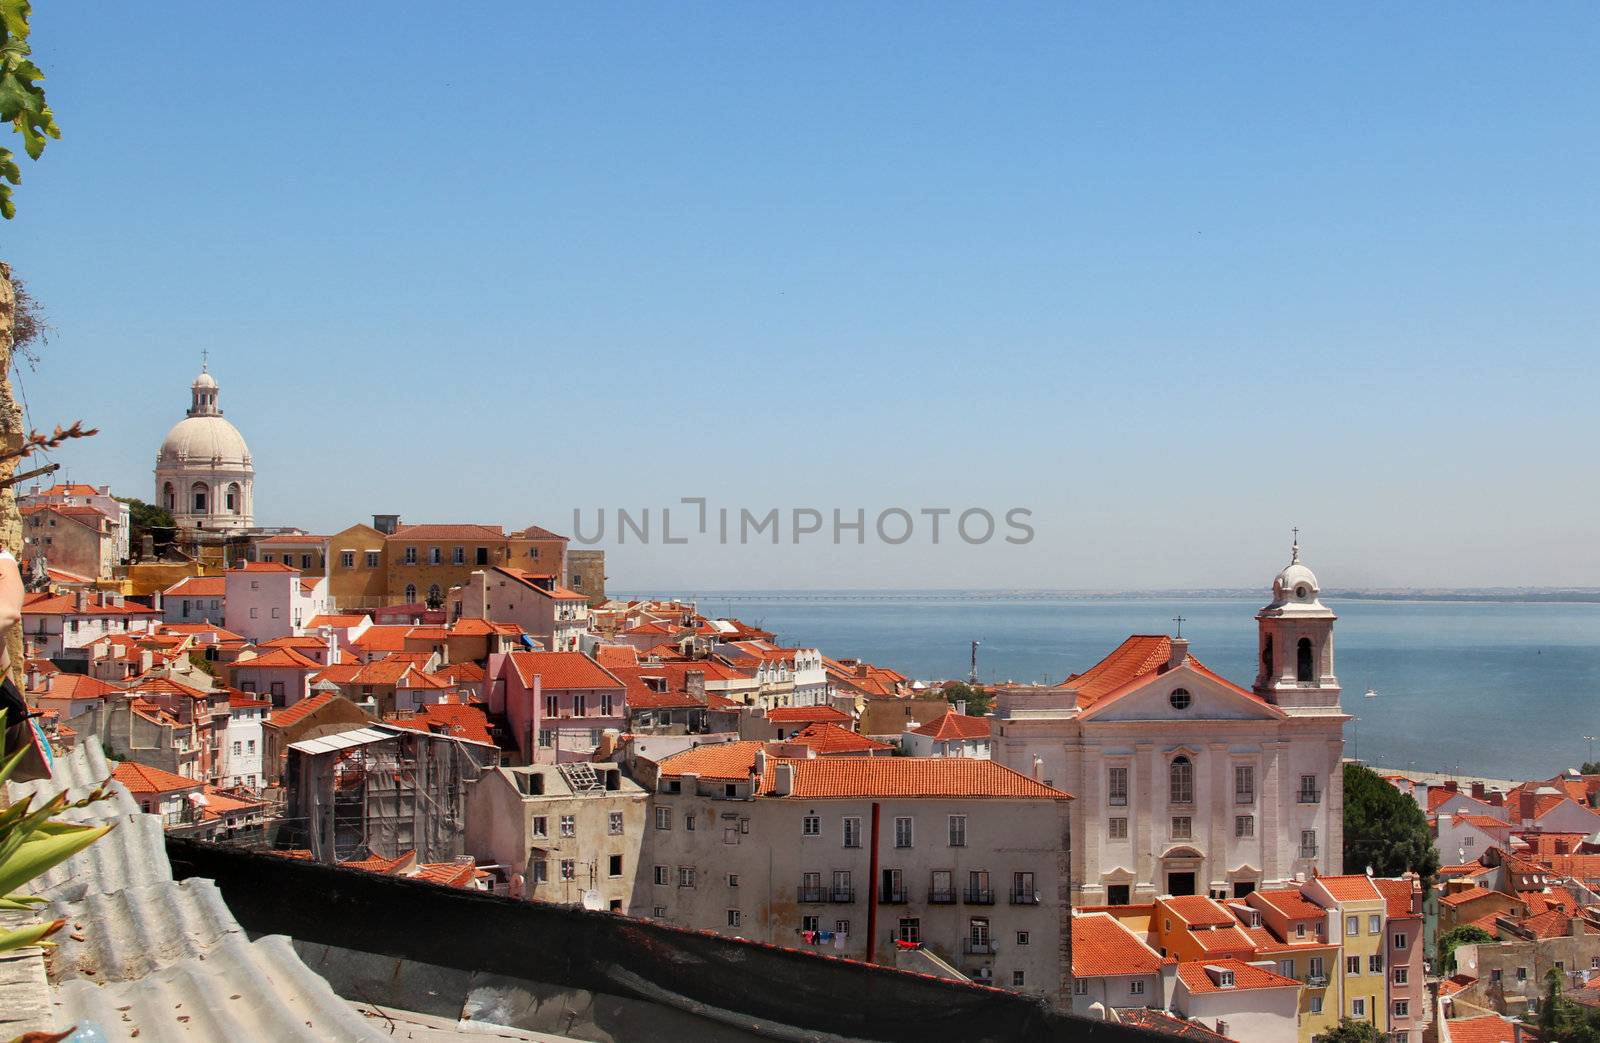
<point>872,892</point>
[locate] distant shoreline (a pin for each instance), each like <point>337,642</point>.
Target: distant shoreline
<point>1530,596</point>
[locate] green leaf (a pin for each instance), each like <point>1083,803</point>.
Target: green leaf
<point>32,935</point>
<point>14,16</point>
<point>36,857</point>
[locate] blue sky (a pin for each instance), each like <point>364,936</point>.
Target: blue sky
<point>1173,278</point>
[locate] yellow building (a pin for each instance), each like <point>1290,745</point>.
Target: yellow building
<point>1357,911</point>
<point>357,578</point>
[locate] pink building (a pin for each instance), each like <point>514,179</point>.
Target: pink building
<point>557,703</point>
<point>550,613</point>
<point>1408,990</point>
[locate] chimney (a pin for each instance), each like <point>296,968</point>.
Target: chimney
<point>1477,791</point>
<point>1180,652</point>
<point>783,783</point>
<point>386,523</point>
<point>1038,767</point>
<point>80,600</point>
<point>758,767</point>
<point>695,682</point>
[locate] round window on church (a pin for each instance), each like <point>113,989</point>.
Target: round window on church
<point>1300,592</point>
<point>1180,699</point>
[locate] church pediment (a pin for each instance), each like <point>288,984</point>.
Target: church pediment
<point>1183,693</point>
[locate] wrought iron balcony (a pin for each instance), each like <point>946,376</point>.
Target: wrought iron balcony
<point>945,897</point>
<point>974,947</point>
<point>978,896</point>
<point>811,895</point>
<point>1025,897</point>
<point>842,894</point>
<point>893,896</point>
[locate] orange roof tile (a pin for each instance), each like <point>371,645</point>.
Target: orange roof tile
<point>1198,911</point>
<point>335,619</point>
<point>1193,975</point>
<point>1490,1028</point>
<point>832,739</point>
<point>278,659</point>
<point>907,777</point>
<point>448,874</point>
<point>1398,893</point>
<point>1169,1026</point>
<point>419,533</point>
<point>300,710</point>
<point>1102,946</point>
<point>143,779</point>
<point>1469,894</point>
<point>263,566</point>
<point>953,726</point>
<point>1292,904</point>
<point>1135,657</point>
<point>76,686</point>
<point>1351,887</point>
<point>807,715</point>
<point>562,670</point>
<point>197,587</point>
<point>382,638</point>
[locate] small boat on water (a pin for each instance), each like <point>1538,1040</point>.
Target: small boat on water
<point>1372,693</point>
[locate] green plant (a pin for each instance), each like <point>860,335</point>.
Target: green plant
<point>1465,934</point>
<point>1384,828</point>
<point>31,843</point>
<point>22,101</point>
<point>1352,1031</point>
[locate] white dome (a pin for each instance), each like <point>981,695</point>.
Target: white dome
<point>204,380</point>
<point>1296,581</point>
<point>205,438</point>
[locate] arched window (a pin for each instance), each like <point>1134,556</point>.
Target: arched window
<point>235,500</point>
<point>198,498</point>
<point>1181,776</point>
<point>169,498</point>
<point>1266,657</point>
<point>435,596</point>
<point>1303,668</point>
<point>411,593</point>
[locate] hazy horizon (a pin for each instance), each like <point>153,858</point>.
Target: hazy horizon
<point>1174,280</point>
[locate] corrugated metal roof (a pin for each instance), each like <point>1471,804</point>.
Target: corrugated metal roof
<point>343,740</point>
<point>146,957</point>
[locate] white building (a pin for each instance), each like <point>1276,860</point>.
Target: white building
<point>194,599</point>
<point>265,600</point>
<point>58,624</point>
<point>241,743</point>
<point>1185,782</point>
<point>204,474</point>
<point>970,857</point>
<point>953,735</point>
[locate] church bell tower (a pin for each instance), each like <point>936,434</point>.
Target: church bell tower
<point>1295,653</point>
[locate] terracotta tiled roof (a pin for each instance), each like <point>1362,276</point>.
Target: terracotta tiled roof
<point>421,533</point>
<point>330,619</point>
<point>219,804</point>
<point>1224,941</point>
<point>296,641</point>
<point>1454,984</point>
<point>953,726</point>
<point>1135,657</point>
<point>964,777</point>
<point>1491,1028</point>
<point>612,656</point>
<point>1552,923</point>
<point>379,864</point>
<point>263,566</point>
<point>1102,946</point>
<point>382,638</point>
<point>464,722</point>
<point>338,673</point>
<point>76,686</point>
<point>197,587</point>
<point>1351,887</point>
<point>301,710</point>
<point>449,874</point>
<point>67,605</point>
<point>832,739</point>
<point>167,686</point>
<point>278,659</point>
<point>428,633</point>
<point>538,532</point>
<point>562,670</point>
<point>1169,1025</point>
<point>1493,825</point>
<point>1198,910</point>
<point>1398,894</point>
<point>462,673</point>
<point>143,780</point>
<point>726,760</point>
<point>1470,894</point>
<point>1292,904</point>
<point>1193,974</point>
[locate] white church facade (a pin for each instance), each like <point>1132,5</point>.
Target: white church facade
<point>204,474</point>
<point>1186,783</point>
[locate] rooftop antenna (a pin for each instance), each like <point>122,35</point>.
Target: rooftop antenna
<point>972,678</point>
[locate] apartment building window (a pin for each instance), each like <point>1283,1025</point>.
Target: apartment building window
<point>841,927</point>
<point>1299,930</point>
<point>482,557</point>
<point>1374,964</point>
<point>606,704</point>
<point>580,705</point>
<point>1402,1008</point>
<point>1080,986</point>
<point>1118,894</point>
<point>547,738</point>
<point>902,831</point>
<point>374,558</point>
<point>958,831</point>
<point>1316,1003</point>
<point>1023,891</point>
<point>614,865</point>
<point>733,918</point>
<point>1181,780</point>
<point>458,556</point>
<point>663,876</point>
<point>842,891</point>
<point>569,825</point>
<point>1402,975</point>
<point>663,818</point>
<point>1244,784</point>
<point>1017,979</point>
<point>811,923</point>
<point>347,559</point>
<point>254,614</point>
<point>1352,925</point>
<point>411,556</point>
<point>1181,827</point>
<point>1117,828</point>
<point>1400,942</point>
<point>541,871</point>
<point>305,561</point>
<point>1496,974</point>
<point>1244,826</point>
<point>892,887</point>
<point>659,912</point>
<point>811,826</point>
<point>978,890</point>
<point>686,876</point>
<point>569,869</point>
<point>1358,1008</point>
<point>614,823</point>
<point>1522,975</point>
<point>1117,786</point>
<point>852,831</point>
<point>411,592</point>
<point>1374,924</point>
<point>238,749</point>
<point>1308,843</point>
<point>909,930</point>
<point>688,822</point>
<point>1308,790</point>
<point>434,556</point>
<point>552,705</point>
<point>1352,965</point>
<point>942,889</point>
